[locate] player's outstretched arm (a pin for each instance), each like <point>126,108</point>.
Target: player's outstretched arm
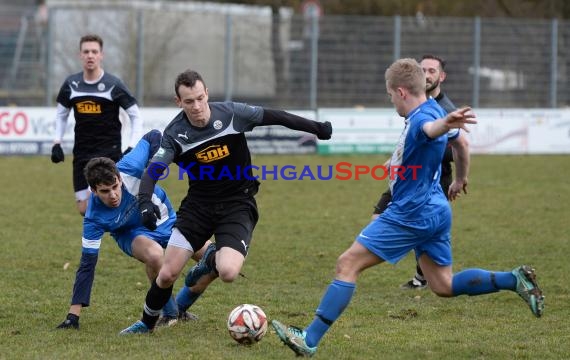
<point>457,119</point>
<point>323,130</point>
<point>84,278</point>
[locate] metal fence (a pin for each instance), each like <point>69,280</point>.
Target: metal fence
<point>286,60</point>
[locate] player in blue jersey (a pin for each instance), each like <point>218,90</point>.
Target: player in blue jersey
<point>434,68</point>
<point>113,208</point>
<point>95,97</point>
<point>418,218</point>
<point>207,141</point>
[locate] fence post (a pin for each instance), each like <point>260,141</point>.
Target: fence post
<point>140,57</point>
<point>229,61</point>
<point>314,16</point>
<point>476,60</point>
<point>554,64</point>
<point>397,36</point>
<point>49,57</point>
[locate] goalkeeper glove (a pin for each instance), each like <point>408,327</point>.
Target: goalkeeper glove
<point>150,213</point>
<point>57,154</point>
<point>71,322</point>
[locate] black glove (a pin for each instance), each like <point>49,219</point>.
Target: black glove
<point>325,131</point>
<point>150,213</point>
<point>71,322</point>
<point>127,150</point>
<point>57,154</point>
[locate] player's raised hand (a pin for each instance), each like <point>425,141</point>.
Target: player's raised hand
<point>460,117</point>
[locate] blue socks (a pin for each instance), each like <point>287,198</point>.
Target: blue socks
<point>478,281</point>
<point>170,309</point>
<point>185,298</point>
<point>339,293</point>
<point>334,301</point>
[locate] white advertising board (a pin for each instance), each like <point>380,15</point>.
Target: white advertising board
<point>31,130</point>
<point>521,131</point>
<point>367,131</point>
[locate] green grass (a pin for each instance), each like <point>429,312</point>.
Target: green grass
<point>516,212</point>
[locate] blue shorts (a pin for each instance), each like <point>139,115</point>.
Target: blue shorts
<point>161,235</point>
<point>391,240</point>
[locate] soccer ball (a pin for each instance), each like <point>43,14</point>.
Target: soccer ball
<point>247,324</point>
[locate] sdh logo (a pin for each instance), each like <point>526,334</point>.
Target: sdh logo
<point>213,153</point>
<point>88,107</point>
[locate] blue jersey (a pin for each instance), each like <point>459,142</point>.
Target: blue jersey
<point>100,219</point>
<point>416,192</point>
<point>124,222</point>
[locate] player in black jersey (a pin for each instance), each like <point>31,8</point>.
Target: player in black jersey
<point>207,141</point>
<point>434,68</point>
<point>95,97</point>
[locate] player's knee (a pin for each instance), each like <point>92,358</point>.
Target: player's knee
<point>344,265</point>
<point>441,291</point>
<point>228,273</point>
<point>167,276</point>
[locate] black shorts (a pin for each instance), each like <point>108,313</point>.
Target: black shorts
<point>383,202</point>
<point>79,181</point>
<point>445,181</point>
<point>231,223</point>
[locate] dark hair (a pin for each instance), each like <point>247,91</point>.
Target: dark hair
<point>90,38</point>
<point>187,78</point>
<point>433,57</point>
<point>101,171</point>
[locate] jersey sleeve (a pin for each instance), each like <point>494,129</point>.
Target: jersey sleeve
<point>92,235</point>
<point>246,117</point>
<point>136,160</point>
<point>123,96</point>
<point>167,151</point>
<point>416,128</point>
<point>61,116</point>
<point>136,124</point>
<point>84,278</point>
<point>64,95</point>
<point>85,275</point>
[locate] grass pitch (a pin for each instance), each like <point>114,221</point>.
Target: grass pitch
<point>517,212</point>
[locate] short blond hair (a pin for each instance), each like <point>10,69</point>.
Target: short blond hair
<point>408,74</point>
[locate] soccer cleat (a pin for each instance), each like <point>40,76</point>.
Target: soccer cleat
<point>137,328</point>
<point>201,268</point>
<point>187,316</point>
<point>528,289</point>
<point>167,321</point>
<point>414,284</point>
<point>294,338</point>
